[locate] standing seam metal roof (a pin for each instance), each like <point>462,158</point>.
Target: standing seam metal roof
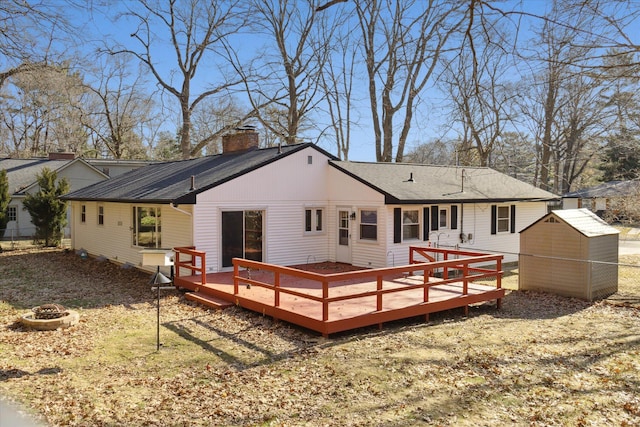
<point>170,182</point>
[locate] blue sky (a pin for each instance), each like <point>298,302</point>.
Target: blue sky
<point>430,121</point>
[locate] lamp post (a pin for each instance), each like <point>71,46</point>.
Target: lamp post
<point>158,257</point>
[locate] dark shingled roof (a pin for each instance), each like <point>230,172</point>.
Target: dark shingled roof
<point>170,182</point>
<point>413,183</point>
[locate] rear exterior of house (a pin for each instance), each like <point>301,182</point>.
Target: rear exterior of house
<point>295,205</point>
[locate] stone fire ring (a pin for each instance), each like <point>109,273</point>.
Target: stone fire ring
<point>29,320</point>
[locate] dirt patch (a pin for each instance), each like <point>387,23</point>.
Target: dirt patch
<point>542,360</point>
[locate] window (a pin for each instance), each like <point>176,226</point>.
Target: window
<point>12,213</point>
<point>100,215</point>
<point>503,219</point>
<point>83,213</point>
<point>313,220</point>
<point>147,227</point>
<point>368,225</point>
<point>410,225</point>
<point>443,218</point>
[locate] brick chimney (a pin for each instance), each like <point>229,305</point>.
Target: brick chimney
<point>243,138</point>
<point>62,155</point>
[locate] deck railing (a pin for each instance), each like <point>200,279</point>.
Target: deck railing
<point>418,254</point>
<point>467,266</point>
<point>196,263</point>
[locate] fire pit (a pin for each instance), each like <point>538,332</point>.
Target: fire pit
<point>49,317</point>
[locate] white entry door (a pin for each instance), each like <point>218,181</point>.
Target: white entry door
<point>343,250</point>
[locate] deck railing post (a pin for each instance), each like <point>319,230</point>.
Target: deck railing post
<point>177,262</point>
<point>445,269</point>
<point>276,290</point>
<point>235,277</point>
<point>203,264</point>
<point>325,303</point>
<point>425,283</point>
<point>379,293</point>
<point>465,279</point>
<point>499,281</point>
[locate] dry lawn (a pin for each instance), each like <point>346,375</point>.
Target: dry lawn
<point>540,361</point>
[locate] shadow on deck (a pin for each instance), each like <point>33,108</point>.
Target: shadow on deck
<point>331,297</point>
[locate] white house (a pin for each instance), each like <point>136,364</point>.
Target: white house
<point>22,177</point>
<point>298,204</point>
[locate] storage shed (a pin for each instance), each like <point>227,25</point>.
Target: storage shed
<point>569,252</point>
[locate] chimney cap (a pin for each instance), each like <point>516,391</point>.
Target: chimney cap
<point>245,128</point>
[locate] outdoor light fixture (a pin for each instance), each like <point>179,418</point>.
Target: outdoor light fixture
<point>156,280</point>
<point>158,257</point>
<point>353,216</point>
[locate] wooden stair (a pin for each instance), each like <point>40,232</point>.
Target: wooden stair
<point>208,300</point>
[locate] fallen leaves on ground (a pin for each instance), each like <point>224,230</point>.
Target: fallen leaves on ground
<point>542,360</point>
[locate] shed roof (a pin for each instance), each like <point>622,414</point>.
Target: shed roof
<point>582,220</point>
<point>415,183</point>
<point>170,182</point>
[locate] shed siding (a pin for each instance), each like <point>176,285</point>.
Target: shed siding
<point>557,258</point>
<point>604,276</point>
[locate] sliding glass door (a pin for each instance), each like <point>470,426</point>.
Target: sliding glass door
<point>242,236</point>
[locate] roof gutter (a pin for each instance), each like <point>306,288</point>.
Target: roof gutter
<point>175,208</point>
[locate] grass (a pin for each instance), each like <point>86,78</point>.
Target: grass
<point>542,360</point>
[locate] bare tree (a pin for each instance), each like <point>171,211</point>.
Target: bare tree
<point>402,44</point>
<point>212,118</point>
<point>477,81</point>
<point>338,79</point>
<point>119,107</point>
<point>42,114</point>
<point>194,32</point>
<point>282,84</point>
<point>27,36</point>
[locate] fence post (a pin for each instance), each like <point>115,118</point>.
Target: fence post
<point>589,284</point>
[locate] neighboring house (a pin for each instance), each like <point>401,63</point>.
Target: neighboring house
<point>22,175</point>
<point>298,204</point>
<point>115,167</point>
<point>606,200</point>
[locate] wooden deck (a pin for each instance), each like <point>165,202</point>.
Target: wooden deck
<point>335,302</point>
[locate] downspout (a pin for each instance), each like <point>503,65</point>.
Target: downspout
<point>462,223</point>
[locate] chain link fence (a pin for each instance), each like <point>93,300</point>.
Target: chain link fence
<point>578,278</point>
<point>23,238</point>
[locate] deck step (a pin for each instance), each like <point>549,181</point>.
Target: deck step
<point>208,300</point>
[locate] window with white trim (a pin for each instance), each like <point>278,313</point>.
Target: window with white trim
<point>368,225</point>
<point>12,213</point>
<point>410,225</point>
<point>147,231</point>
<point>83,213</point>
<point>443,218</point>
<point>100,215</point>
<point>314,220</point>
<point>503,219</point>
